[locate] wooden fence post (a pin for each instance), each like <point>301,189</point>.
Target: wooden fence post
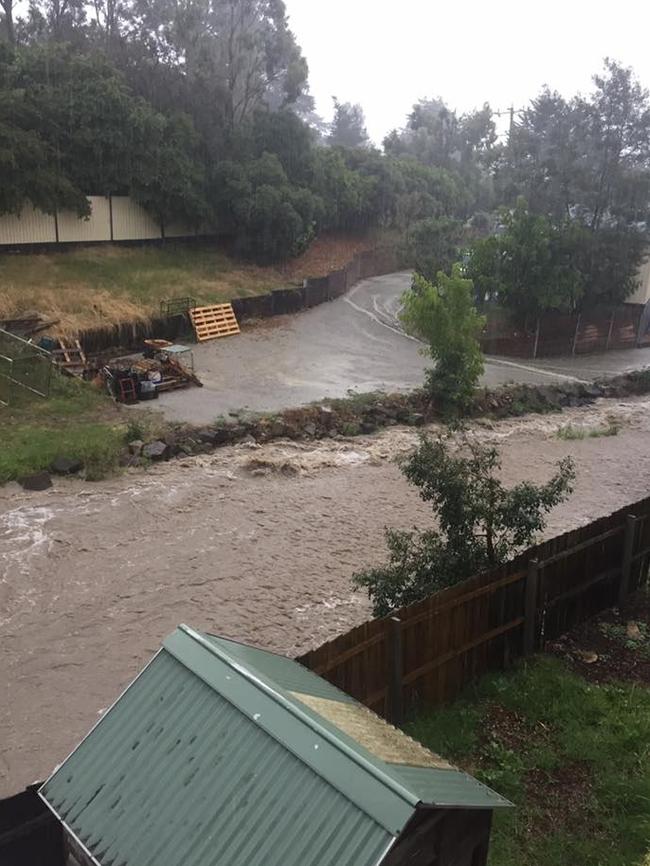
<point>575,336</point>
<point>628,553</point>
<point>530,612</point>
<point>611,327</point>
<point>395,670</point>
<point>536,344</point>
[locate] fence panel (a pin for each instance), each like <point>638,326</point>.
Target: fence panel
<point>455,636</point>
<point>357,662</point>
<point>24,369</point>
<point>31,226</point>
<point>97,227</point>
<point>562,334</point>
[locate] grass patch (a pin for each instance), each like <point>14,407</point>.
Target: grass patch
<point>572,755</point>
<point>78,421</point>
<point>571,431</point>
<point>28,449</point>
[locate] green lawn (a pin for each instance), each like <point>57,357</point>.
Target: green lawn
<point>78,421</point>
<point>574,757</point>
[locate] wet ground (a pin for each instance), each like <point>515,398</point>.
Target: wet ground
<point>353,343</point>
<point>93,576</point>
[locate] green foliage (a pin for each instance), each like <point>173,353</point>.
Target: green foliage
<point>532,266</point>
<point>31,448</point>
<point>435,244</point>
<point>638,642</point>
<point>586,160</point>
<point>270,218</point>
<point>180,105</point>
<point>571,755</point>
<point>445,317</point>
<point>348,127</point>
<point>480,522</point>
<point>77,421</point>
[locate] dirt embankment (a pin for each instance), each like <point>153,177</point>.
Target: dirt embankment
<point>254,542</point>
<point>104,284</point>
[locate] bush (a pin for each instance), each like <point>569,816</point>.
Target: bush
<point>481,523</point>
<point>443,314</point>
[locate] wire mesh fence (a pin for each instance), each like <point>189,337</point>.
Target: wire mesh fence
<point>25,369</point>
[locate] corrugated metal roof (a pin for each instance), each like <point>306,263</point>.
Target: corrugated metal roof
<point>448,787</point>
<point>434,782</point>
<point>208,759</point>
<point>279,670</point>
<point>175,774</point>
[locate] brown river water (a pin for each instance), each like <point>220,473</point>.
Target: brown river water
<point>256,543</point>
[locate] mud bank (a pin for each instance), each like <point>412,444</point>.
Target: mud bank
<point>257,542</point>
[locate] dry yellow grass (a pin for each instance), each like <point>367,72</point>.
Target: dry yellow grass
<point>90,287</point>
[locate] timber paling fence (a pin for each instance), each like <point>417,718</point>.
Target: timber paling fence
<point>428,652</point>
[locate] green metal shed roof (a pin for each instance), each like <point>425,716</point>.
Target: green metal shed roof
<point>211,758</point>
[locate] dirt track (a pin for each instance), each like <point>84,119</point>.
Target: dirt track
<point>94,576</point>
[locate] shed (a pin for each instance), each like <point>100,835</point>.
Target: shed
<point>220,754</point>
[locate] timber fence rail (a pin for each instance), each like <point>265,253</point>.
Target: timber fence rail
<point>429,651</point>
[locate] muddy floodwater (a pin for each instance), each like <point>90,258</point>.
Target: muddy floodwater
<point>256,543</point>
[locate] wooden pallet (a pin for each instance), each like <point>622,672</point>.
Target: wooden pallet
<point>218,320</point>
<point>71,357</point>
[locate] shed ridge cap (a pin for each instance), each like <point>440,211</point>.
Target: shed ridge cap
<point>257,680</point>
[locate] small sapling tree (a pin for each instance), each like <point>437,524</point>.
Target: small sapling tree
<point>479,522</point>
<point>443,314</point>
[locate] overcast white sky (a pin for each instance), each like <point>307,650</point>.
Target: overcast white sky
<point>387,55</point>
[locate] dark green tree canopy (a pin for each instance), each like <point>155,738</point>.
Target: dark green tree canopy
<point>180,102</point>
<point>348,127</point>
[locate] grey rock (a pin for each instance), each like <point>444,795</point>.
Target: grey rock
<point>66,465</point>
<point>130,461</point>
<point>156,450</point>
<point>278,428</point>
<point>310,429</point>
<point>209,435</point>
<point>37,481</point>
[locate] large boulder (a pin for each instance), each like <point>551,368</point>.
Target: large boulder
<point>157,450</point>
<point>66,465</point>
<point>36,481</point>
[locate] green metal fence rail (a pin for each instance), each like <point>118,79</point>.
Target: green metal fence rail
<point>25,369</point>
